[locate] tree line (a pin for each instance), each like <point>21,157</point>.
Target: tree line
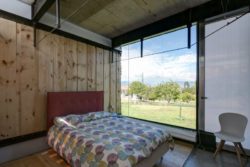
<point>169,91</point>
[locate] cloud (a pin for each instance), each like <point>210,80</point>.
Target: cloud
<point>163,67</point>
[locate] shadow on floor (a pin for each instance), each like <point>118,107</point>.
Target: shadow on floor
<point>202,158</point>
<point>176,157</point>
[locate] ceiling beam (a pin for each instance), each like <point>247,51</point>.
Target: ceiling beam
<point>39,8</point>
<point>201,12</point>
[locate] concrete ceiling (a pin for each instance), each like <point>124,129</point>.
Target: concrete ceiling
<point>29,2</point>
<point>111,18</point>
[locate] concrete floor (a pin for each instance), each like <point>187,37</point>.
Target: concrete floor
<point>197,158</point>
<point>202,158</point>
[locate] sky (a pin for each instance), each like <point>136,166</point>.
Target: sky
<point>179,66</point>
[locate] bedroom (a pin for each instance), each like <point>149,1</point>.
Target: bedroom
<point>105,46</point>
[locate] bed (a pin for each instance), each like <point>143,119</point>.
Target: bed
<point>85,135</point>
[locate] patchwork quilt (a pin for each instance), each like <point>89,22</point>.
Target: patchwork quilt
<point>104,139</point>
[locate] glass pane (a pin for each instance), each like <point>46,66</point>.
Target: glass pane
<point>124,80</point>
<point>227,66</point>
<point>168,41</point>
<point>161,87</point>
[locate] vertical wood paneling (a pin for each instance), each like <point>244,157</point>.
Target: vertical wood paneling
<point>56,64</point>
<point>46,63</point>
<point>45,76</point>
<point>91,50</point>
<point>106,79</point>
<point>57,50</point>
<point>113,83</point>
<point>118,83</point>
<point>27,73</point>
<point>71,64</point>
<point>9,101</point>
<point>99,69</point>
<point>82,67</point>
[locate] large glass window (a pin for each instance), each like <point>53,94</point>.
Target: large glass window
<point>161,86</point>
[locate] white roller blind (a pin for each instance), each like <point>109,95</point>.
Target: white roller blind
<point>227,72</point>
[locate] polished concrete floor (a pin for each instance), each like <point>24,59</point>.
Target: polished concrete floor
<point>183,151</point>
<point>202,158</point>
<point>49,158</point>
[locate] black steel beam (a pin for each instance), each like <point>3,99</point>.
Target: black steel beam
<point>58,14</point>
<point>141,47</point>
<point>74,37</point>
<point>14,17</point>
<point>189,35</point>
<point>201,12</point>
<point>39,8</point>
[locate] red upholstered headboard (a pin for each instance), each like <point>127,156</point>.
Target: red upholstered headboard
<point>64,103</point>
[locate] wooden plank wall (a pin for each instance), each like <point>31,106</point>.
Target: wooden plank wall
<point>106,79</point>
<point>27,73</point>
<point>112,83</point>
<point>9,91</point>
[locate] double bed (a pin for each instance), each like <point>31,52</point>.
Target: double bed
<point>85,135</point>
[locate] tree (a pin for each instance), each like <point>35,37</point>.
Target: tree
<point>188,89</point>
<point>138,88</point>
<point>152,94</point>
<point>186,97</point>
<point>186,85</point>
<point>168,91</point>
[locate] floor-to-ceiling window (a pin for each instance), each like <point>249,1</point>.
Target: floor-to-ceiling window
<point>160,86</point>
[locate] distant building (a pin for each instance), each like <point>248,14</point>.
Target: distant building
<point>124,90</point>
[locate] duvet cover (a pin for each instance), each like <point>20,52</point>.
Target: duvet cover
<point>104,139</point>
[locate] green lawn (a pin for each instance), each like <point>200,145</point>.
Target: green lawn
<point>163,113</point>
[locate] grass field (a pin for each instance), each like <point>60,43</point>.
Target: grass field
<point>167,113</point>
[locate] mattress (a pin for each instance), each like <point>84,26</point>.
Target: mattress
<point>106,139</point>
